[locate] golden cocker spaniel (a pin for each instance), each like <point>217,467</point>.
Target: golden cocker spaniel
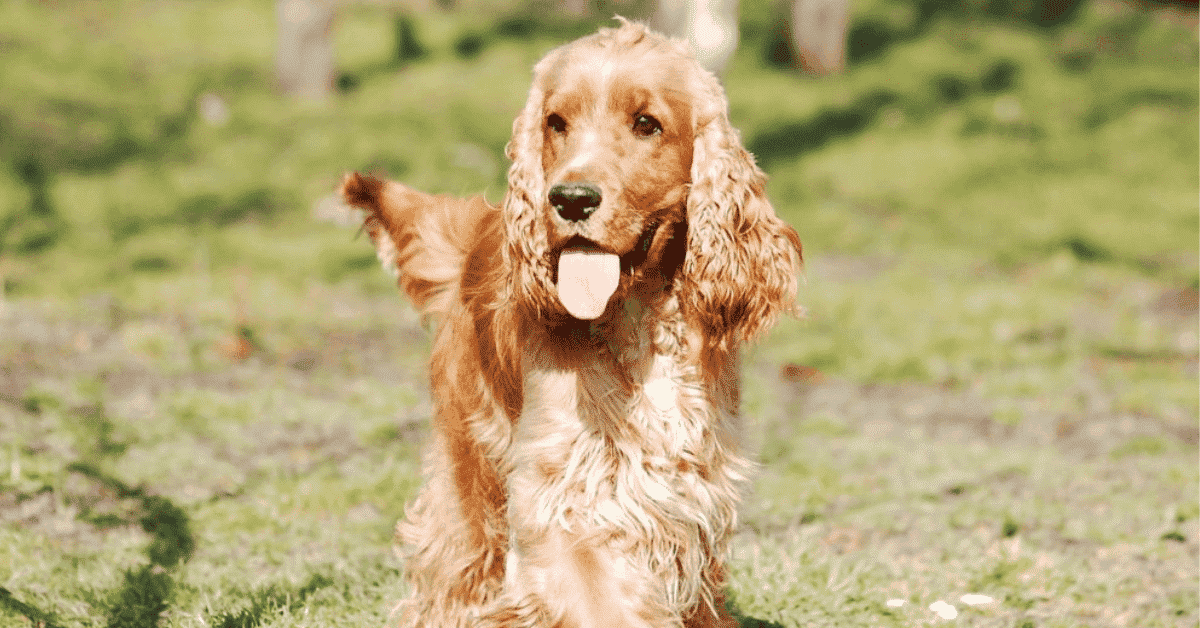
<point>585,468</point>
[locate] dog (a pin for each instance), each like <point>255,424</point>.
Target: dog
<point>584,468</point>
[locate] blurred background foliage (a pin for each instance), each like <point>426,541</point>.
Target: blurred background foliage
<point>104,139</point>
<point>147,139</point>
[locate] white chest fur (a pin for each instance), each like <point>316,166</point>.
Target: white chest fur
<point>629,446</point>
<point>623,455</point>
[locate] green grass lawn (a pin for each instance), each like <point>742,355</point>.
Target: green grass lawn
<point>212,400</point>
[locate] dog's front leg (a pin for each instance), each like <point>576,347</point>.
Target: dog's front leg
<point>565,567</point>
<point>576,556</point>
<point>581,579</point>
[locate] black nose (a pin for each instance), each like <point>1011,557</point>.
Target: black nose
<point>575,201</point>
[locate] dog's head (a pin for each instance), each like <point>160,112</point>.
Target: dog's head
<point>627,178</point>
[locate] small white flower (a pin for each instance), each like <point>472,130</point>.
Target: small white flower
<point>1007,110</point>
<point>213,109</point>
<point>975,599</point>
<point>944,610</point>
<point>895,603</point>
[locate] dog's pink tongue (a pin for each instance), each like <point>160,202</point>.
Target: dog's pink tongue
<point>586,280</point>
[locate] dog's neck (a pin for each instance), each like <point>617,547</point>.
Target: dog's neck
<point>638,325</point>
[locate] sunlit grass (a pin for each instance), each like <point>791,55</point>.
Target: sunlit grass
<point>993,390</point>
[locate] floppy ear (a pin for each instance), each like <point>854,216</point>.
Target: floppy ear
<point>524,252</point>
<point>742,260</point>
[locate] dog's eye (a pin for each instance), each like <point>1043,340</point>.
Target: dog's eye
<point>645,126</point>
<point>556,123</point>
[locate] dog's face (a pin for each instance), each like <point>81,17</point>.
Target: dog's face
<point>627,180</point>
<point>616,155</point>
<point>609,133</point>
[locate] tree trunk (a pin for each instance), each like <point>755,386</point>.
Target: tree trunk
<point>709,26</point>
<point>819,35</point>
<point>304,54</point>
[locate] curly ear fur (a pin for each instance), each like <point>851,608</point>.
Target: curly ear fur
<point>743,261</point>
<point>524,252</point>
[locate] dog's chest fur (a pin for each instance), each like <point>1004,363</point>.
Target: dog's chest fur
<point>628,446</point>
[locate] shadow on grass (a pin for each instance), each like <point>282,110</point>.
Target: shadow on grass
<point>1104,112</point>
<point>267,602</point>
<point>408,46</point>
<point>32,613</point>
<point>142,600</point>
<point>98,430</point>
<point>1089,251</point>
<point>790,139</point>
<point>171,542</point>
<point>752,622</point>
<point>147,590</point>
<point>37,156</point>
<point>869,37</point>
<point>745,621</point>
<point>207,209</point>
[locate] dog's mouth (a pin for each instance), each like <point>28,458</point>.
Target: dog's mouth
<point>588,275</point>
<point>587,278</point>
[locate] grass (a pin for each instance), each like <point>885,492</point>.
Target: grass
<point>212,401</point>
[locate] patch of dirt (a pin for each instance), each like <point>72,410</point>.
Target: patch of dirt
<point>39,344</point>
<point>293,448</point>
<point>82,511</point>
<point>51,362</point>
<point>1166,320</point>
<point>1183,301</point>
<point>884,410</point>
